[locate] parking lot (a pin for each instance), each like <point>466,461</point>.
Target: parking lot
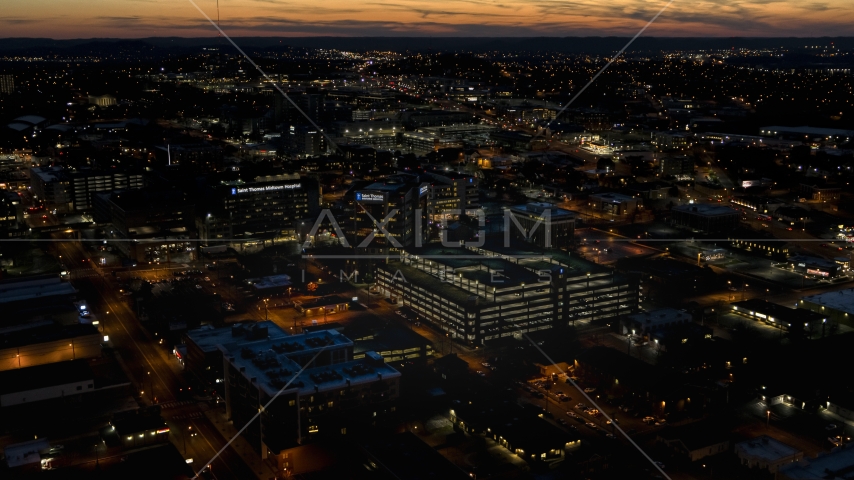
<point>605,247</point>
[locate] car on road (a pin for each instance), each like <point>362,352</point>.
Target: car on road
<point>198,286</point>
<point>581,406</point>
<point>831,427</point>
<point>562,422</point>
<point>610,422</point>
<point>592,425</point>
<point>572,414</point>
<point>589,390</point>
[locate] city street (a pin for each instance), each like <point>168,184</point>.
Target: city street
<point>156,374</point>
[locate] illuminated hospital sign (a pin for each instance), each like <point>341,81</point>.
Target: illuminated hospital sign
<point>267,188</point>
<point>369,197</point>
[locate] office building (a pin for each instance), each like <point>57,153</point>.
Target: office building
<point>614,203</point>
<point>544,225</point>
<point>475,295</point>
<point>397,204</point>
<point>11,215</point>
<point>706,218</point>
<point>159,221</point>
<point>74,190</point>
<point>262,208</point>
<point>451,194</point>
<point>322,392</point>
<point>7,84</point>
<point>677,166</point>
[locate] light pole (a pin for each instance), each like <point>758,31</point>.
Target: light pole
<point>743,286</point>
<point>265,308</point>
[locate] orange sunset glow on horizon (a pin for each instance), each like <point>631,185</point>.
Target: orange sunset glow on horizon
<point>63,19</point>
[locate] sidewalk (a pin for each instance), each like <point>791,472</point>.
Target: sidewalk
<point>262,470</point>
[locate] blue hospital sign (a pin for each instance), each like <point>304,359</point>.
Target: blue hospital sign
<point>358,197</point>
<point>234,191</point>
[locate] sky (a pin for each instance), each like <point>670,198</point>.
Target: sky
<point>63,19</point>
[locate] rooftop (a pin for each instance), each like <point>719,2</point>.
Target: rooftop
<point>812,261</point>
<point>208,337</point>
<point>612,197</point>
<point>538,208</point>
<point>272,363</point>
<point>44,376</point>
<point>775,312</point>
<point>34,287</point>
<point>836,465</point>
<point>272,281</point>
<point>45,333</point>
<point>842,300</point>
<point>706,209</point>
<point>766,448</point>
<point>660,316</point>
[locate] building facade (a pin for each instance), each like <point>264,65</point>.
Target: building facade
<point>263,208</point>
<point>319,390</point>
<point>483,296</point>
<point>544,225</point>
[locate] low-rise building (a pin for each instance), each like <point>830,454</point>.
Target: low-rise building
<point>140,430</point>
<point>766,453</point>
<point>614,203</point>
<point>778,315</point>
<point>646,322</point>
<point>836,465</point>
<point>62,380</point>
<point>706,218</point>
<point>515,428</point>
<point>51,343</point>
<point>837,306</point>
<point>814,266</point>
<point>696,441</point>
